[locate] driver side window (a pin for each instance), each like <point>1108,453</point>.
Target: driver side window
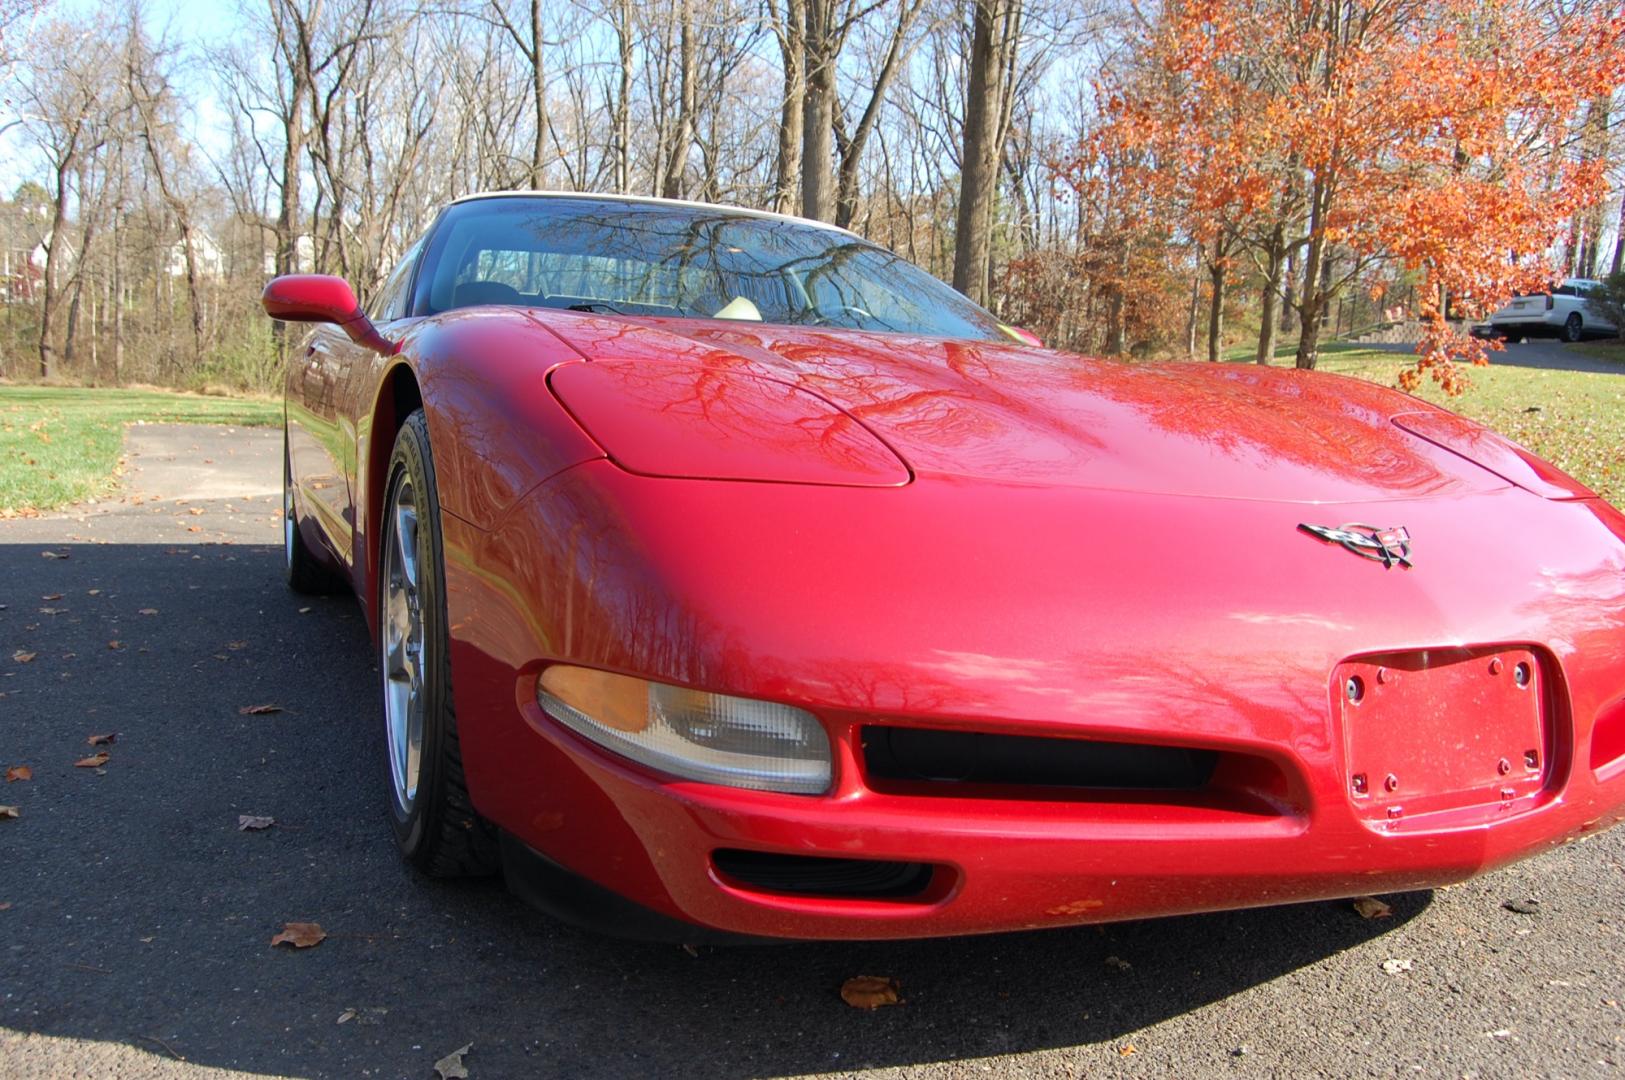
<point>390,303</point>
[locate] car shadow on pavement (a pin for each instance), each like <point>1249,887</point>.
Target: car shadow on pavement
<point>140,916</point>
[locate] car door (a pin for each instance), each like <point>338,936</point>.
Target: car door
<point>316,443</point>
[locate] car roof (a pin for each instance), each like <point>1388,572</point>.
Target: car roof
<point>648,200</point>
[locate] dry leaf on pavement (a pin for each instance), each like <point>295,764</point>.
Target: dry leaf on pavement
<point>451,1066</point>
<point>19,772</point>
<point>1126,1049</point>
<point>148,611</point>
<point>115,644</point>
<point>1394,967</point>
<point>1369,907</point>
<point>870,991</point>
<point>94,761</point>
<point>301,935</point>
<point>51,596</point>
<point>23,656</point>
<point>253,822</point>
<point>9,812</point>
<point>258,710</point>
<point>102,740</point>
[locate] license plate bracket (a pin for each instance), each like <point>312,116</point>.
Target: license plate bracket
<point>1441,729</point>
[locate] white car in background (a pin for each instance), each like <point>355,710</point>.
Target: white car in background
<point>1563,313</point>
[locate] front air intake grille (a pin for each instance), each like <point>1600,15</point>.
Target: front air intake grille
<point>978,758</point>
<point>809,875</point>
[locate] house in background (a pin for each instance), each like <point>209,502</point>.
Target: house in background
<point>206,255</point>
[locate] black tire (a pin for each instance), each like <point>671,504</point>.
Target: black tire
<point>1573,327</point>
<point>306,573</point>
<point>439,832</point>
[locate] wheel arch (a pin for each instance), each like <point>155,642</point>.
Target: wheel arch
<point>399,396</point>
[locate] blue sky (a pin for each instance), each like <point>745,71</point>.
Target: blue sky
<point>193,24</point>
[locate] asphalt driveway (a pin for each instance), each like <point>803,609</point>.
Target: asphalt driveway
<point>136,918</point>
<point>1545,353</point>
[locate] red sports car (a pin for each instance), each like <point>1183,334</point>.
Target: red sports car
<point>732,577</point>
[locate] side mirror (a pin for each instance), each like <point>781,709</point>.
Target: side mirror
<point>323,298</point>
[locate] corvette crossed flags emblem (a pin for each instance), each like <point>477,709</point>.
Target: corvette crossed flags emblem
<point>1391,546</point>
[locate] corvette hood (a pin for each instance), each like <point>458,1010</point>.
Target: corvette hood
<point>1020,415</point>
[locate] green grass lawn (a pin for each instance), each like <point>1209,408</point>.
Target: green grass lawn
<point>1574,419</point>
<point>61,445</point>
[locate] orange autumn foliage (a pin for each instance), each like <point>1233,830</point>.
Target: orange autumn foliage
<point>1431,136</point>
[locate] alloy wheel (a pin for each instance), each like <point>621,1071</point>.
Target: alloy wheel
<point>402,645</point>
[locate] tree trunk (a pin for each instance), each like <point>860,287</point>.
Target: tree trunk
<point>1193,307</point>
<point>118,294</point>
<point>977,162</point>
<point>1619,241</point>
<point>792,50</point>
<point>53,259</point>
<point>538,96</point>
<point>623,101</point>
<point>1216,273</point>
<point>676,165</point>
<point>846,197</point>
<point>1311,306</point>
<point>1269,317</point>
<point>818,115</point>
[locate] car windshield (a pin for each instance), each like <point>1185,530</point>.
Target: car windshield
<point>649,259</point>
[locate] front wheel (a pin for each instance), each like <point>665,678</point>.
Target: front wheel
<point>435,823</point>
<point>1572,327</point>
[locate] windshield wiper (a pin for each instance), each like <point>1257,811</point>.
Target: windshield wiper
<point>594,306</point>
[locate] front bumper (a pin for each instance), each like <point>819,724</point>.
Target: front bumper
<point>1002,864</point>
<point>1196,659</point>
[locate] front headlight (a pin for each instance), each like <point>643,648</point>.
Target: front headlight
<point>713,738</point>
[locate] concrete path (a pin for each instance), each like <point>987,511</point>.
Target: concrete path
<point>136,919</point>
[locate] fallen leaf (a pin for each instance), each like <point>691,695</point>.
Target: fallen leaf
<point>94,761</point>
<point>236,646</point>
<point>346,1016</point>
<point>1527,906</point>
<point>301,935</point>
<point>870,991</point>
<point>5,905</point>
<point>93,592</point>
<point>1369,907</point>
<point>19,772</point>
<point>102,740</point>
<point>115,645</point>
<point>53,554</point>
<point>9,812</point>
<point>23,656</point>
<point>451,1066</point>
<point>253,822</point>
<point>52,596</point>
<point>1394,967</point>
<point>1118,963</point>
<point>148,940</point>
<point>1126,1050</point>
<point>304,611</point>
<point>194,528</point>
<point>148,611</point>
<point>1499,1033</point>
<point>195,511</point>
<point>258,710</point>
